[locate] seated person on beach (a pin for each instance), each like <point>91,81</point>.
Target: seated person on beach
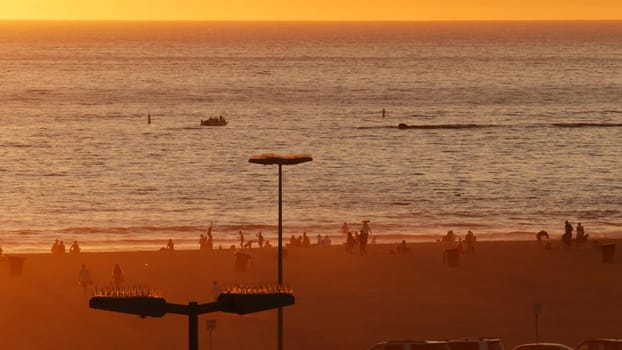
<point>542,234</point>
<point>75,248</point>
<point>267,244</point>
<point>449,237</point>
<point>326,242</point>
<point>403,249</point>
<point>170,246</point>
<point>58,247</point>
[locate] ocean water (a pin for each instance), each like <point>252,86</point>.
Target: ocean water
<point>519,128</point>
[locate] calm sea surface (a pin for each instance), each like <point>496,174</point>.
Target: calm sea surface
<point>522,129</point>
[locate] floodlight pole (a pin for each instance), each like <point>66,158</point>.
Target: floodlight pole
<point>268,159</point>
<point>193,325</point>
<point>280,230</point>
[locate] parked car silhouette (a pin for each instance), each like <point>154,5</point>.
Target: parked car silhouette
<point>475,343</point>
<point>542,346</point>
<point>411,345</point>
<point>600,344</point>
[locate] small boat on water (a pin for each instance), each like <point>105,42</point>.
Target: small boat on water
<point>213,121</point>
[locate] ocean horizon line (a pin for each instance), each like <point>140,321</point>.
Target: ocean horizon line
<point>405,21</point>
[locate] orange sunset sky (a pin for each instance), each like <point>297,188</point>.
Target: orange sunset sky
<point>310,10</point>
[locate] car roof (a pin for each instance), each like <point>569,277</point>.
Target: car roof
<point>410,341</point>
<point>603,339</point>
<point>473,339</point>
<point>563,346</point>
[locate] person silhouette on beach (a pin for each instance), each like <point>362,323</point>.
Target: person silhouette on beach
<point>61,247</point>
<point>260,239</point>
<point>216,290</point>
<point>581,236</point>
<point>362,240</point>
<point>469,239</point>
<point>202,242</point>
<point>460,246</point>
<point>450,236</point>
<point>306,242</point>
<point>84,278</point>
<point>54,248</point>
<point>210,239</point>
<point>170,246</point>
<point>326,242</point>
<point>540,235</point>
<point>567,236</point>
<point>75,247</point>
<point>241,239</point>
<point>117,276</point>
<point>364,236</point>
<point>350,242</point>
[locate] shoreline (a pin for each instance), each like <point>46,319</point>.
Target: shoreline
<point>122,244</point>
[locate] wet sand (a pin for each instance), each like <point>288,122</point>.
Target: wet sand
<point>342,301</point>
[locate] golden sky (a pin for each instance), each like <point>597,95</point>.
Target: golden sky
<point>365,10</point>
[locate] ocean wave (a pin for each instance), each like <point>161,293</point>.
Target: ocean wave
<point>445,126</point>
<point>587,125</point>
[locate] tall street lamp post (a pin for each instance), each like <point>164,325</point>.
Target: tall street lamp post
<point>280,160</point>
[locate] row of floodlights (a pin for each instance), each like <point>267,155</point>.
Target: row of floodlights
<point>126,292</point>
<point>148,292</point>
<point>237,299</point>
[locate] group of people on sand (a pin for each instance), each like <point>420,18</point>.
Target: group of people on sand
<point>59,247</point>
<point>464,246</point>
<point>301,241</point>
<point>568,230</point>
<point>567,237</point>
<point>261,241</point>
<point>356,238</point>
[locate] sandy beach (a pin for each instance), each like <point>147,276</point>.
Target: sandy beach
<point>342,301</point>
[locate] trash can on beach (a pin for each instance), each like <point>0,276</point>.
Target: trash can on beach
<point>16,265</point>
<point>242,262</point>
<point>608,251</point>
<point>451,257</point>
